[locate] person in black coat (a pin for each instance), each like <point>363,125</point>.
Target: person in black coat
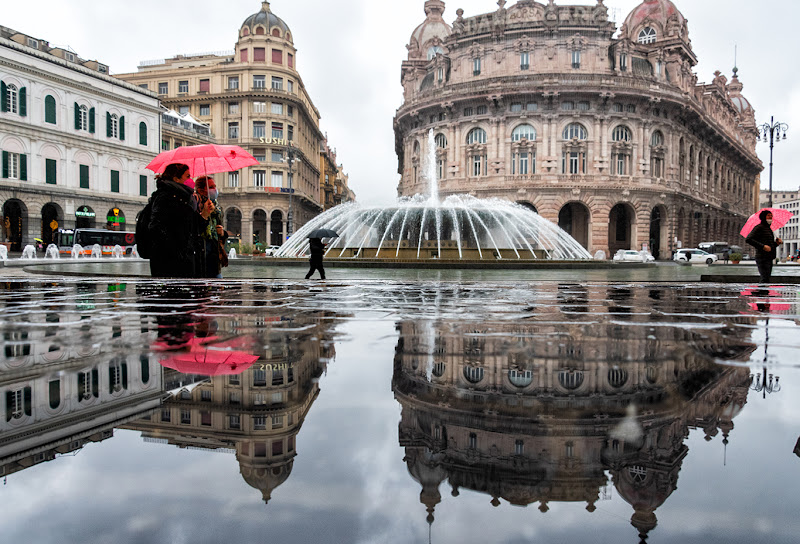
<point>763,239</point>
<point>174,225</point>
<point>317,252</point>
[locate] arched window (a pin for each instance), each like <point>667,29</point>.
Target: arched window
<point>438,369</point>
<point>82,121</point>
<point>647,35</point>
<point>276,32</point>
<point>476,136</point>
<point>473,374</point>
<point>11,101</point>
<point>520,378</point>
<point>142,133</point>
<point>621,134</point>
<point>570,379</point>
<point>575,130</point>
<point>441,141</point>
<point>617,377</point>
<point>50,110</point>
<point>435,50</point>
<point>526,132</point>
<point>657,139</point>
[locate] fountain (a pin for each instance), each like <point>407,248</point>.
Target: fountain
<point>232,253</point>
<point>460,227</point>
<point>135,252</point>
<point>77,250</point>
<point>52,252</point>
<point>97,251</point>
<point>117,252</point>
<point>29,252</point>
<point>3,253</point>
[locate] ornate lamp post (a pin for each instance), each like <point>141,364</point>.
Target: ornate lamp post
<point>761,384</point>
<point>290,157</point>
<point>771,132</point>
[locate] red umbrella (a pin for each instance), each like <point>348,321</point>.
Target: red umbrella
<point>210,362</point>
<point>204,159</point>
<point>767,301</point>
<point>779,218</point>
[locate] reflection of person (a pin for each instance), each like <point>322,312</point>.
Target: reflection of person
<point>317,252</point>
<point>763,239</point>
<point>211,232</point>
<point>173,225</point>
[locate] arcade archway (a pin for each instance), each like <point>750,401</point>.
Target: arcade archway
<point>15,223</point>
<point>574,219</point>
<point>620,228</point>
<point>260,231</point>
<point>276,228</point>
<point>52,219</point>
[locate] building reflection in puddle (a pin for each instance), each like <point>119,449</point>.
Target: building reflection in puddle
<point>562,407</point>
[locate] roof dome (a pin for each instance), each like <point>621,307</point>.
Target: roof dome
<point>430,33</point>
<point>266,18</point>
<point>662,14</point>
<point>735,89</point>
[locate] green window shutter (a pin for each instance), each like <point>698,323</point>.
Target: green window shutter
<point>142,133</point>
<point>23,167</point>
<point>114,181</point>
<point>77,116</point>
<point>3,97</point>
<point>84,170</point>
<point>50,171</point>
<point>50,110</point>
<point>122,128</point>
<point>5,164</point>
<point>23,103</point>
<point>108,125</point>
<point>91,120</point>
<point>143,185</point>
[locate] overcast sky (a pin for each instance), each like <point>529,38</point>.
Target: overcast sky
<point>349,55</point>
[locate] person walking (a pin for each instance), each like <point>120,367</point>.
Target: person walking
<point>763,240</point>
<point>173,224</point>
<point>212,234</point>
<point>317,253</point>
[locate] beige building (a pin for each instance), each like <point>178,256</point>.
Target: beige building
<point>253,97</point>
<point>603,130</point>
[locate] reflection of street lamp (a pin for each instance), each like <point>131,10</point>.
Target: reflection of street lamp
<point>290,156</point>
<point>772,131</point>
<point>760,383</point>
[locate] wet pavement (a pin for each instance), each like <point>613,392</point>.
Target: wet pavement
<point>447,409</point>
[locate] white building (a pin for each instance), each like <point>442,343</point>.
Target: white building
<point>790,233</point>
<point>74,141</point>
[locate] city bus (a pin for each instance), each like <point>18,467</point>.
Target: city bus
<point>720,249</point>
<point>87,238</point>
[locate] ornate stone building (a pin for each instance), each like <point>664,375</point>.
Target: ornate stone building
<point>253,97</point>
<point>74,141</point>
<point>609,134</point>
<point>545,410</point>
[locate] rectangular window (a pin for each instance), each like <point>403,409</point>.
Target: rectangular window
<point>290,111</point>
<point>523,163</point>
<point>260,424</point>
<point>440,171</point>
<point>477,165</point>
<point>233,83</point>
<point>476,67</point>
<point>259,107</point>
<point>277,130</point>
<point>290,86</point>
<point>532,106</point>
<point>114,181</point>
<point>234,421</point>
<point>440,75</point>
<point>277,421</point>
<point>259,178</point>
<point>166,415</point>
<point>233,179</point>
<point>519,447</point>
<point>144,86</point>
<point>277,109</point>
<point>142,185</point>
<point>567,106</point>
<point>205,110</point>
<point>468,112</point>
<point>289,132</point>
<point>83,172</point>
<point>576,59</point>
<point>163,88</point>
<point>233,108</point>
<point>259,82</point>
<point>573,162</point>
<point>164,145</point>
<point>186,416</point>
<point>259,54</point>
<point>516,108</point>
<point>623,62</point>
<point>233,131</point>
<point>245,55</point>
<point>260,154</point>
<point>277,83</point>
<point>277,179</point>
<point>482,110</point>
<point>205,418</point>
<point>50,171</point>
<point>259,129</point>
<point>277,447</point>
<point>205,395</point>
<point>183,110</point>
<point>290,60</point>
<point>205,85</point>
<point>277,56</point>
<point>277,155</point>
<point>584,106</point>
<point>524,61</point>
<point>183,86</point>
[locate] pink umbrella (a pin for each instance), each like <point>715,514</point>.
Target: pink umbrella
<point>211,362</point>
<point>779,218</point>
<point>204,159</point>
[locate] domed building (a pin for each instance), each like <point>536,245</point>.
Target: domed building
<point>603,130</point>
<point>253,97</point>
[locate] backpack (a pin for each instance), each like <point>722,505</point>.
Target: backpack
<point>144,240</point>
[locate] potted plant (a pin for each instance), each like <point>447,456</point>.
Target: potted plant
<point>735,257</point>
<point>247,249</point>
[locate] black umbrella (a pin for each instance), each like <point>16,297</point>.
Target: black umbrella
<point>323,233</point>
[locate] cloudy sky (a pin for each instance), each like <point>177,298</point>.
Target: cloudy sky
<point>349,55</point>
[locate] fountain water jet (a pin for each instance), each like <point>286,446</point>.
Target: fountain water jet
<point>117,252</point>
<point>460,227</point>
<point>29,252</point>
<point>232,253</point>
<point>3,253</point>
<point>52,252</point>
<point>77,251</point>
<point>97,251</point>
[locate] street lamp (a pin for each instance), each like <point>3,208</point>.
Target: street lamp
<point>761,383</point>
<point>290,156</point>
<point>771,131</point>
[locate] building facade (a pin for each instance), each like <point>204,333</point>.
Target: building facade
<point>610,137</point>
<point>790,233</point>
<point>253,97</point>
<point>75,142</point>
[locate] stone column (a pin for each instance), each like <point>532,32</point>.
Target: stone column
<point>247,226</point>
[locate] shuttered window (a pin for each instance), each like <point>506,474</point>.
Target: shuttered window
<point>84,176</point>
<point>277,56</point>
<point>143,185</point>
<point>50,171</point>
<point>50,110</point>
<point>259,54</point>
<point>114,181</point>
<point>142,133</point>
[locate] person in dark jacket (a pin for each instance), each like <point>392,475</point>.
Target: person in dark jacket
<point>174,225</point>
<point>763,239</point>
<point>212,235</point>
<point>317,252</point>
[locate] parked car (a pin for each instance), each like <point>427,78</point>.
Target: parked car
<point>270,251</point>
<point>694,256</point>
<point>631,256</point>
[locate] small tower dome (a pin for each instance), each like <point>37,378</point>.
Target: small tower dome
<point>265,22</point>
<point>427,38</point>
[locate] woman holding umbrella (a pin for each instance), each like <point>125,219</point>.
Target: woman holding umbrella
<point>763,239</point>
